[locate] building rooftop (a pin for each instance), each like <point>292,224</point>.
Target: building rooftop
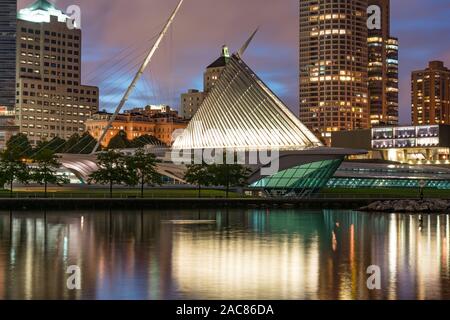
<point>42,5</point>
<point>41,11</point>
<point>222,61</point>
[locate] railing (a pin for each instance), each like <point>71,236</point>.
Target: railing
<point>181,195</point>
<point>41,195</point>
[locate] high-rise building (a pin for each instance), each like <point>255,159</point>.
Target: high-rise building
<point>383,70</point>
<point>333,66</point>
<point>51,101</point>
<point>430,89</point>
<point>192,100</point>
<point>8,20</point>
<point>7,126</point>
<point>215,69</point>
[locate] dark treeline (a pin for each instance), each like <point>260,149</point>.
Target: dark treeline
<point>76,144</point>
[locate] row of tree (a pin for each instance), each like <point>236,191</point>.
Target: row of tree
<point>117,169</point>
<point>224,175</point>
<point>114,168</point>
<point>121,141</point>
<point>21,163</point>
<point>41,168</point>
<point>76,144</point>
<point>140,169</point>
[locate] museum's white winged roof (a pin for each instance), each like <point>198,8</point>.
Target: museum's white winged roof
<point>241,112</point>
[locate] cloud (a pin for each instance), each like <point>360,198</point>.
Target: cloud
<point>203,26</point>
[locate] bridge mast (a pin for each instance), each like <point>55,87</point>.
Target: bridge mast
<point>138,75</point>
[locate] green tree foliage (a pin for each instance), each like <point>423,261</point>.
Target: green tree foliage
<point>12,168</point>
<point>20,145</point>
<point>119,141</point>
<point>199,175</point>
<point>228,175</point>
<point>56,145</point>
<point>112,170</point>
<point>77,144</point>
<point>89,143</point>
<point>144,140</point>
<point>46,163</point>
<point>71,142</point>
<point>142,170</point>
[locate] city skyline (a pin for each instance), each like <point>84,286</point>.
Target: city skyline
<point>274,53</point>
<point>143,158</point>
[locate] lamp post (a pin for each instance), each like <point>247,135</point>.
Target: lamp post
<point>422,185</point>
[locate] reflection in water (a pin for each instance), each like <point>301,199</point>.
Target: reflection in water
<point>252,254</point>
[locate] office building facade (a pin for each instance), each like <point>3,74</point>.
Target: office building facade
<point>51,101</point>
<point>430,95</point>
<point>191,102</point>
<point>333,66</point>
<point>193,99</point>
<point>8,20</point>
<point>383,70</point>
<point>136,124</point>
<point>414,145</point>
<point>7,126</point>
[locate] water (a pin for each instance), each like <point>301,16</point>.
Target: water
<point>236,254</point>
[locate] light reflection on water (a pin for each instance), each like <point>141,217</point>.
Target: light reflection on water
<point>244,254</point>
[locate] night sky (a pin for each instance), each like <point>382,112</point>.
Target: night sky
<point>116,34</point>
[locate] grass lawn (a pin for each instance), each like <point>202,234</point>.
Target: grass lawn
<point>392,192</point>
<point>71,192</point>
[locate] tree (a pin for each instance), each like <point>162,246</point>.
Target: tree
<point>112,170</point>
<point>56,145</point>
<point>45,169</point>
<point>88,143</point>
<point>80,145</point>
<point>142,169</point>
<point>228,175</point>
<point>144,140</point>
<point>12,168</point>
<point>199,175</point>
<point>119,141</point>
<point>71,143</point>
<point>19,144</point>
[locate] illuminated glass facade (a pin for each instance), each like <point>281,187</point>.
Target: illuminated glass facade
<point>383,70</point>
<point>333,66</point>
<point>307,178</point>
<point>430,95</point>
<point>423,145</point>
<point>355,183</point>
<point>8,12</point>
<point>372,175</point>
<point>405,137</point>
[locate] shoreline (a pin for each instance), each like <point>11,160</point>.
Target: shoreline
<point>27,204</point>
<point>409,206</point>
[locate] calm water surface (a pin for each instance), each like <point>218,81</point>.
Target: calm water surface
<point>236,254</point>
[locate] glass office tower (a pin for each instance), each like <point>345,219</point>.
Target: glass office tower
<point>383,70</point>
<point>8,20</point>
